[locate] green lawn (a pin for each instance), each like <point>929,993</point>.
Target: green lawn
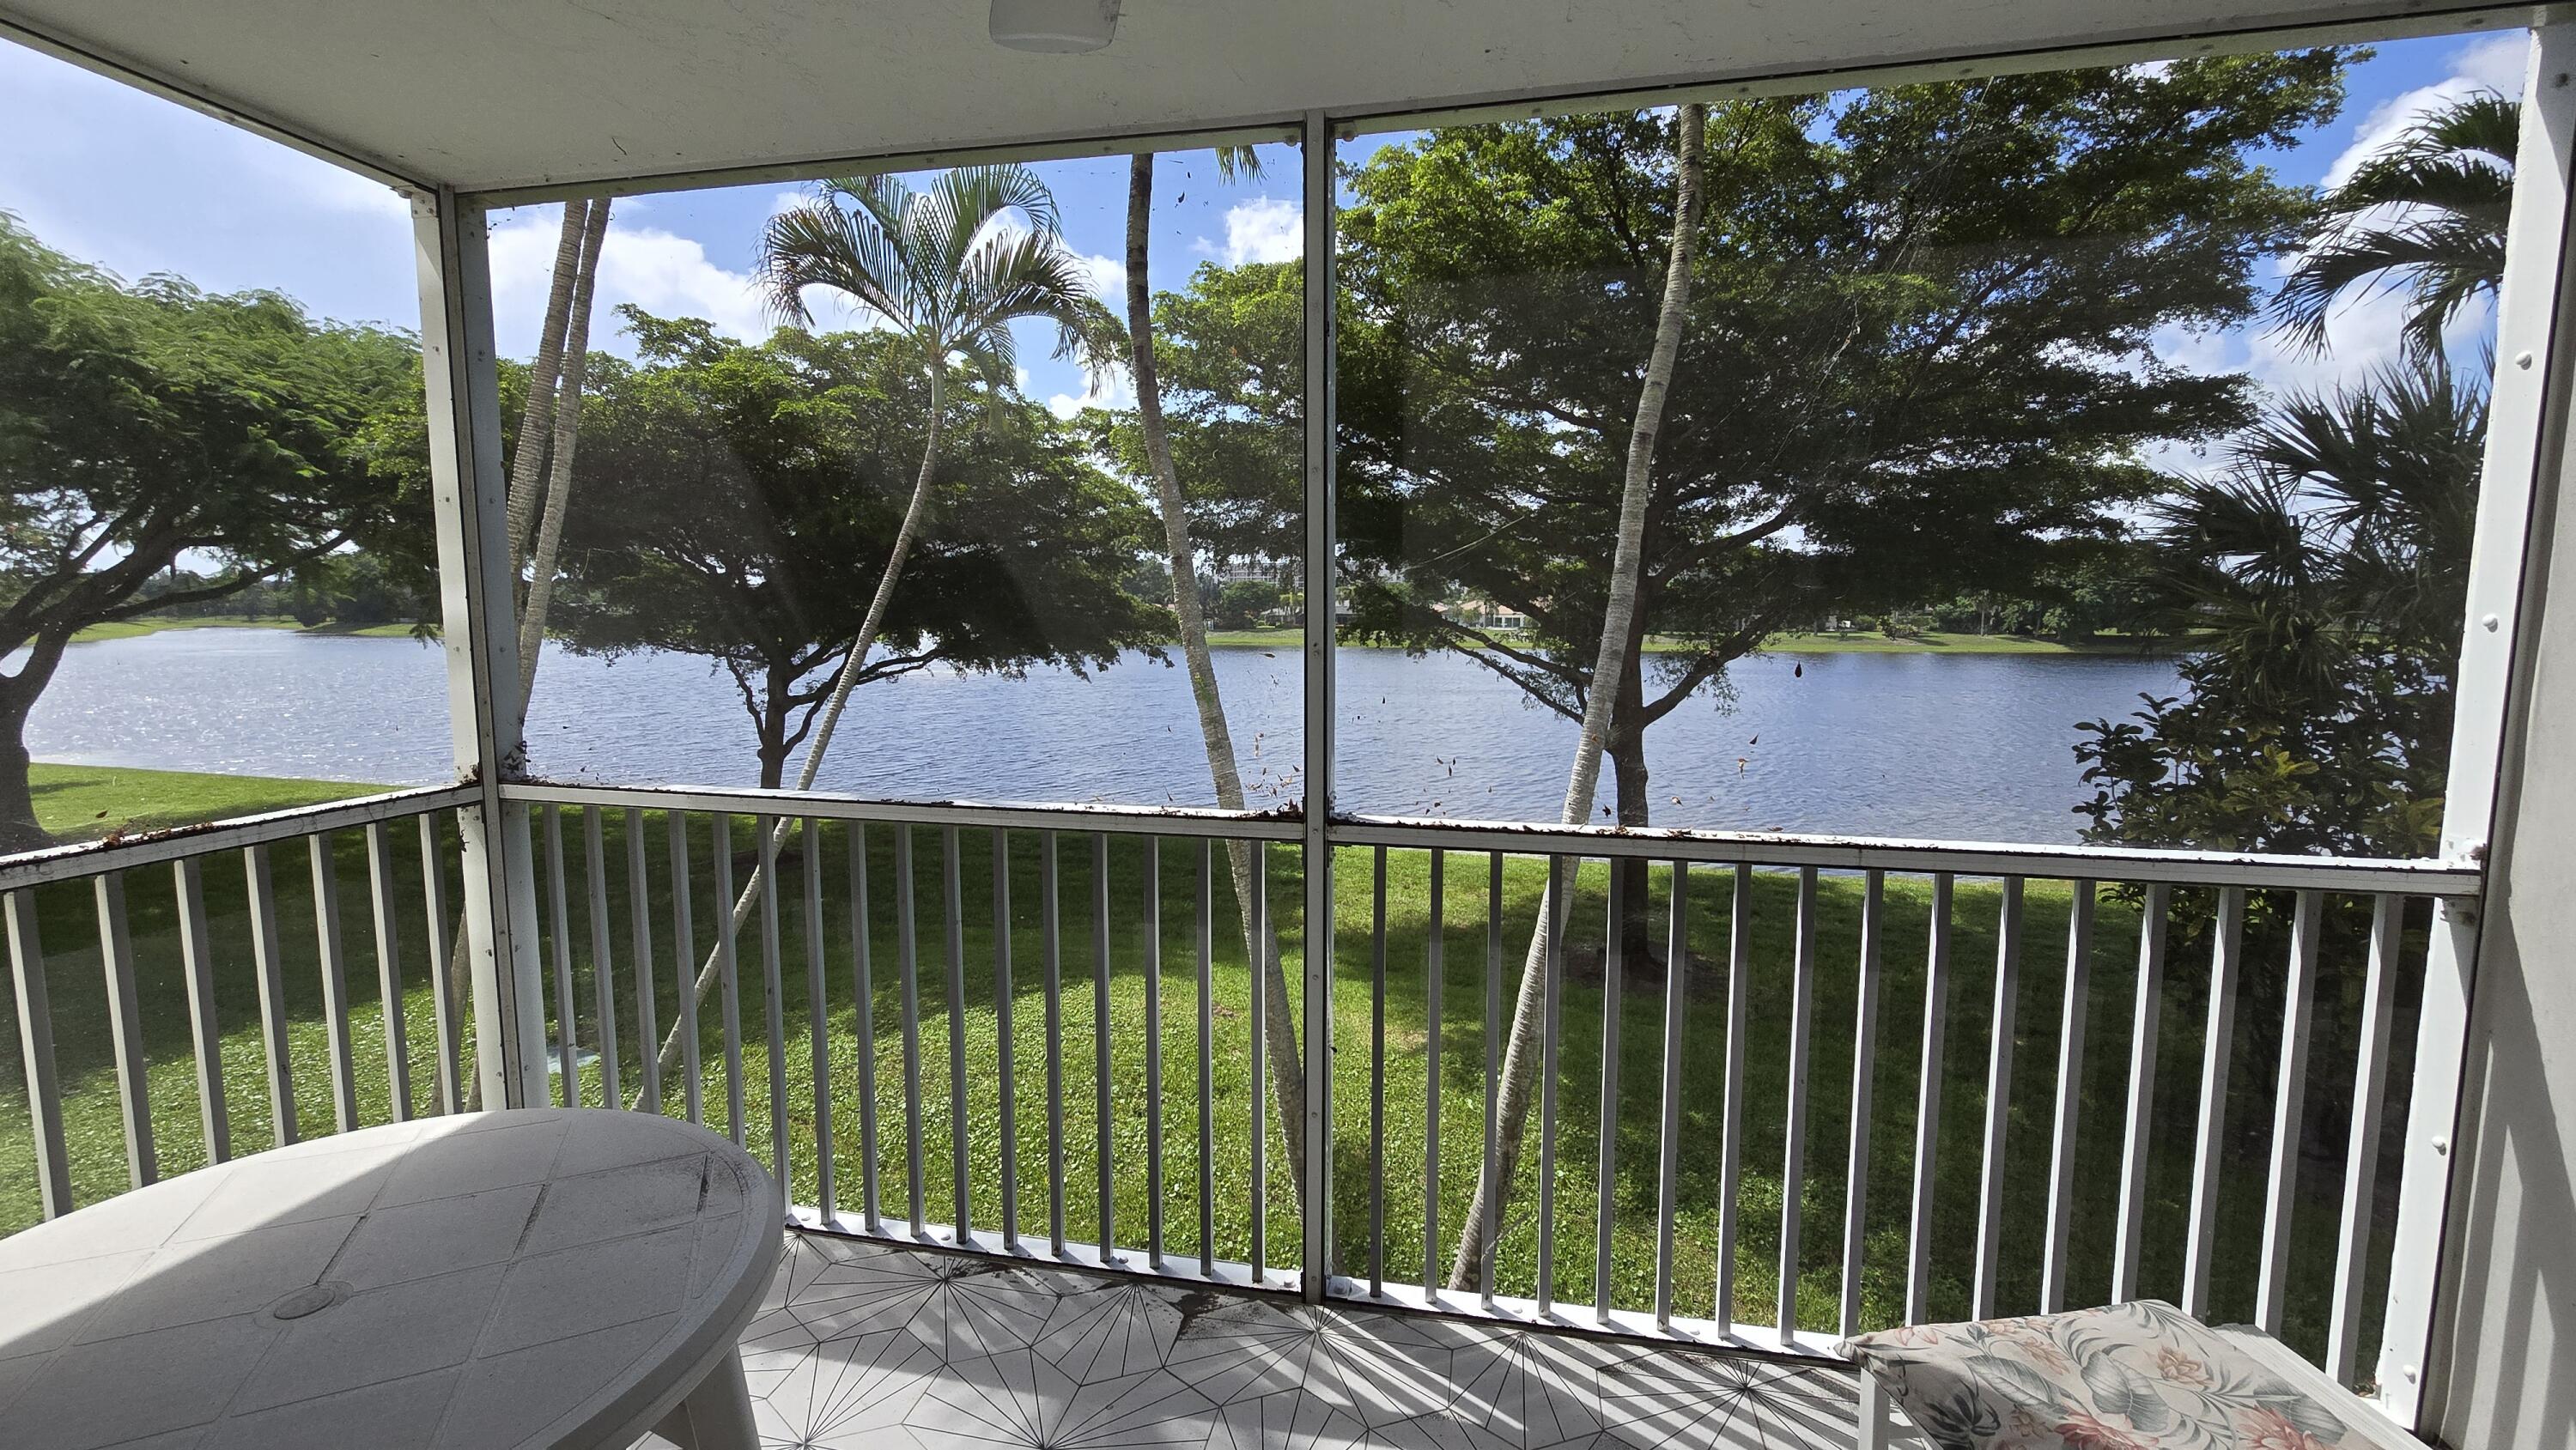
<point>84,802</point>
<point>152,624</point>
<point>69,927</point>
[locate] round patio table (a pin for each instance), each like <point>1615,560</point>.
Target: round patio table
<point>536,1277</point>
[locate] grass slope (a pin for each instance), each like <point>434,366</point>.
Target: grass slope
<point>953,959</point>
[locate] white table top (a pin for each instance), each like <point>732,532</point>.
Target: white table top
<point>537,1277</point>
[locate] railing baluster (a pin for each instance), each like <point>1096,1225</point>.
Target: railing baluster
<point>443,1005</point>
<point>1793,1168</point>
<point>1260,909</point>
<point>1739,981</point>
<point>389,987</point>
<point>2289,1103</point>
<point>36,1054</point>
<point>1003,993</point>
<point>335,980</point>
<point>639,909</point>
<point>907,959</point>
<point>2208,1147</point>
<point>1377,1076</point>
<point>2361,1162</point>
<point>1927,1104</point>
<point>603,1009</point>
<point>961,1220</point>
<point>1873,912</point>
<point>1051,947</point>
<point>729,975</point>
<point>1560,913</point>
<point>1100,1101</point>
<point>125,1029</point>
<point>818,1025</point>
<point>1613,972</point>
<point>1431,983</point>
<point>205,1034</point>
<point>1154,1052</point>
<point>1206,937</point>
<point>1999,1062</point>
<point>685,949</point>
<point>1669,1161</point>
<point>1494,1030</point>
<point>276,1059</point>
<point>863,991</point>
<point>2143,1029</point>
<point>773,990</point>
<point>559,922</point>
<point>2070,1096</point>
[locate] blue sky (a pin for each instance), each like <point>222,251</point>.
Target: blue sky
<point>139,185</point>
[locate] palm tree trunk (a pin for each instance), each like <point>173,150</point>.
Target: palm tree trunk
<point>1583,781</point>
<point>567,428</point>
<point>1287,1068</point>
<point>536,420</point>
<point>851,666</point>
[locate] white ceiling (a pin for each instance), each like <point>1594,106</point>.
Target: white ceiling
<point>488,94</point>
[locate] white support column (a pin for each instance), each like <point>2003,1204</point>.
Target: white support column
<point>2525,448</point>
<point>476,612</point>
<point>1316,1213</point>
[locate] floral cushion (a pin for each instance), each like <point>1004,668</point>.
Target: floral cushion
<point>2142,1376</point>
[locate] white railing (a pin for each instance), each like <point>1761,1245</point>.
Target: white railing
<point>184,950</point>
<point>1945,1149</point>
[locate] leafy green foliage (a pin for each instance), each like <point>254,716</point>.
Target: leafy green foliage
<point>739,502</point>
<point>140,422</point>
<point>1920,358</point>
<point>2326,570</point>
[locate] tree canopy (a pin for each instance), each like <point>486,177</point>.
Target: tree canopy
<point>739,502</point>
<point>1922,354</point>
<point>142,423</point>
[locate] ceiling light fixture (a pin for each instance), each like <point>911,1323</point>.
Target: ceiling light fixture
<point>1054,27</point>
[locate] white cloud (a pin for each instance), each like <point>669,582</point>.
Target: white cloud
<point>1113,390</point>
<point>2494,63</point>
<point>1264,229</point>
<point>1108,279</point>
<point>657,270</point>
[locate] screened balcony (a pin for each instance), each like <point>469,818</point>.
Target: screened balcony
<point>1143,1118</point>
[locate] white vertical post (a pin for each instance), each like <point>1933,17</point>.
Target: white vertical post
<point>1316,143</point>
<point>2526,428</point>
<point>469,494</point>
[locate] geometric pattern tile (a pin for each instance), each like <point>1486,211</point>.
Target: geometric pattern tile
<point>891,1348</point>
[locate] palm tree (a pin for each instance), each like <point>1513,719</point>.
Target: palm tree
<point>1287,1068</point>
<point>2426,213</point>
<point>1618,615</point>
<point>948,270</point>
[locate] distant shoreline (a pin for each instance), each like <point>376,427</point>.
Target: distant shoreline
<point>1859,642</point>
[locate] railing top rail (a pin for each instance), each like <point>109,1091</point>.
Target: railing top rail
<point>1856,853</point>
<point>1964,858</point>
<point>120,853</point>
<point>1124,819</point>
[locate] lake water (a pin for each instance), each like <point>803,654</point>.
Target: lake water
<point>1961,746</point>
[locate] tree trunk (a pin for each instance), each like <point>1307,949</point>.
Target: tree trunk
<point>1287,1067</point>
<point>18,693</point>
<point>851,666</point>
<point>772,724</point>
<point>1619,625</point>
<point>576,361</point>
<point>1626,746</point>
<point>537,421</point>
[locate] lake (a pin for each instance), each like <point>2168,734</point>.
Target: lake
<point>1925,745</point>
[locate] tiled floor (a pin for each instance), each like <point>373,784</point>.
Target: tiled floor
<point>865,1345</point>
